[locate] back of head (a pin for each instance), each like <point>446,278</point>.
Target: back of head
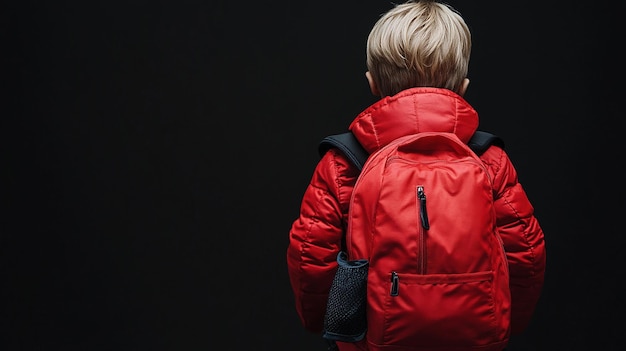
<point>419,44</point>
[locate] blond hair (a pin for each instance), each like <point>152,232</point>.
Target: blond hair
<point>419,44</point>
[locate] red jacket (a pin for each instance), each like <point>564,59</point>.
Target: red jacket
<point>315,236</point>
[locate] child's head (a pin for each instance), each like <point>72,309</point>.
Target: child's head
<point>418,44</point>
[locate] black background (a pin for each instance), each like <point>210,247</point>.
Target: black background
<point>155,154</point>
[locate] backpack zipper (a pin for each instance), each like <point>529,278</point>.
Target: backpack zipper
<point>421,195</point>
<point>425,225</point>
<point>395,280</point>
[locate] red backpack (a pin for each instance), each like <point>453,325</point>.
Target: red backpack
<point>422,216</point>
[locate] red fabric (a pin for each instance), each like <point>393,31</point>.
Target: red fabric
<point>315,236</point>
<point>452,285</point>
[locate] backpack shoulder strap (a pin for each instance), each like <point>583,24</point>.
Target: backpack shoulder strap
<point>481,141</point>
<point>348,144</point>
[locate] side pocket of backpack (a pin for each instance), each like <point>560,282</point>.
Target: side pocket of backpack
<point>345,318</point>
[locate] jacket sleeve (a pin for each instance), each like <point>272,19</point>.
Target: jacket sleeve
<point>522,236</point>
<point>315,237</point>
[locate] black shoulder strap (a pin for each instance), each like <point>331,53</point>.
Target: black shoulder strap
<point>350,146</point>
<point>481,141</point>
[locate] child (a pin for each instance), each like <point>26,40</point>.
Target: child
<point>417,61</point>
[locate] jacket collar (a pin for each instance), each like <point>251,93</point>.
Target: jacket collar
<point>413,111</point>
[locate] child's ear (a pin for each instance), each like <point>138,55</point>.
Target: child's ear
<point>373,86</point>
<point>463,87</point>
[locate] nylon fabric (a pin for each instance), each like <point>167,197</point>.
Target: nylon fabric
<point>428,283</point>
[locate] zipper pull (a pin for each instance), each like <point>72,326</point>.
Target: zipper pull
<point>421,195</point>
<point>395,280</point>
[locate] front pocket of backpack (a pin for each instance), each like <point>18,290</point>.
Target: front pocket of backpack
<point>432,310</point>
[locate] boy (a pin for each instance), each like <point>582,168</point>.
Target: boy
<point>417,63</point>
